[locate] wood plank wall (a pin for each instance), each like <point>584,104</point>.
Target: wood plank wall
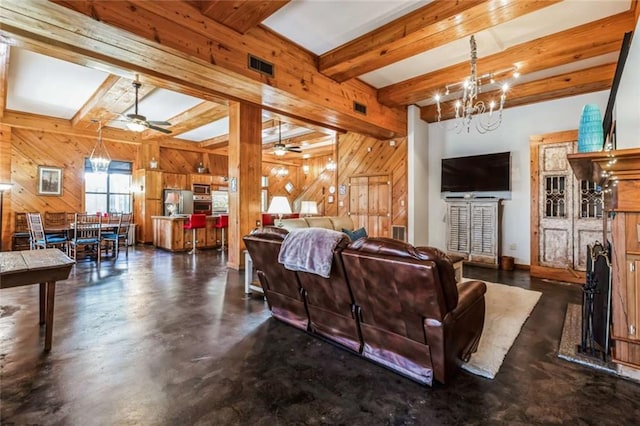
<point>29,148</point>
<point>363,155</point>
<point>300,180</point>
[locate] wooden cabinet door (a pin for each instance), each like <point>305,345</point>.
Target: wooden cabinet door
<point>174,181</point>
<point>458,227</point>
<point>484,232</point>
<point>201,179</point>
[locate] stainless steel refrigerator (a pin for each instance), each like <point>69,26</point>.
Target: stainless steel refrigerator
<point>177,201</point>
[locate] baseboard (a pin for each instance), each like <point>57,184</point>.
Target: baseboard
<point>629,372</point>
<point>523,267</point>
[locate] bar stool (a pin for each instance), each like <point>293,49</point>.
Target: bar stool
<point>222,223</point>
<point>196,221</point>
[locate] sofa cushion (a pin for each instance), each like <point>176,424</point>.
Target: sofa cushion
<point>355,235</point>
<point>290,224</point>
<point>319,222</point>
<point>341,223</point>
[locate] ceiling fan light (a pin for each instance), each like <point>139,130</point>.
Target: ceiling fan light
<point>280,151</point>
<point>135,127</point>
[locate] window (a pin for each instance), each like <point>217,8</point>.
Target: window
<point>108,192</point>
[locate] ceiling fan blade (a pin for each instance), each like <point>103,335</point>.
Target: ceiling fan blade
<point>293,149</point>
<point>159,129</point>
<point>159,123</point>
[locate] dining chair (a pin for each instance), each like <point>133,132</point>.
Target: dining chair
<point>119,236</point>
<point>40,240</point>
<point>21,239</point>
<point>55,220</point>
<point>86,234</point>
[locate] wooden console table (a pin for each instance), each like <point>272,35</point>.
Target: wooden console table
<point>44,267</point>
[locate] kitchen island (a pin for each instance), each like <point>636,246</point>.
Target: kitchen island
<point>169,233</point>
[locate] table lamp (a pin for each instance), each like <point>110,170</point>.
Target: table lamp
<point>171,201</point>
<point>308,208</point>
<point>279,205</point>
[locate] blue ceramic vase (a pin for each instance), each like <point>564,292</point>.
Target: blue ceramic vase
<point>590,133</point>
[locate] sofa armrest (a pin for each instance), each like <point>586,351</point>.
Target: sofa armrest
<point>468,293</point>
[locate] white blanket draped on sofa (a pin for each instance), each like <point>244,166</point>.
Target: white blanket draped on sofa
<point>309,250</point>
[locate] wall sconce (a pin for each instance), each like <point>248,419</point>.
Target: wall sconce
<point>331,165</point>
<point>305,169</point>
<point>282,171</point>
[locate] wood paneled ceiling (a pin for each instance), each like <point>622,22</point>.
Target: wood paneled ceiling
<point>327,57</point>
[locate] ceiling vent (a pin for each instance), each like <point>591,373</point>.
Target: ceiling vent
<point>262,66</point>
<point>361,108</point>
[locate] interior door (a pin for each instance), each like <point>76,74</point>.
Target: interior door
<point>556,206</point>
<point>569,211</point>
<point>370,204</point>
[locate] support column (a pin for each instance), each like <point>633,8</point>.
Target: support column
<point>5,177</point>
<point>245,163</point>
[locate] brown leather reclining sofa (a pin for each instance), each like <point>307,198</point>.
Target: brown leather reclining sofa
<point>388,301</point>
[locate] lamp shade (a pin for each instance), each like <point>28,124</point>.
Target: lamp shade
<point>172,198</point>
<point>279,205</point>
<point>308,207</point>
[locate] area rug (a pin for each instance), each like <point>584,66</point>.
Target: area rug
<point>571,338</point>
<point>507,309</point>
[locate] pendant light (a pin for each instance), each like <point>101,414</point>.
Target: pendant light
<point>99,158</point>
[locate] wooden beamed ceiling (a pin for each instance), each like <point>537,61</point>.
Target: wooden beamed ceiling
<point>582,42</point>
<point>240,15</point>
<point>431,26</point>
<point>181,32</point>
<point>200,48</point>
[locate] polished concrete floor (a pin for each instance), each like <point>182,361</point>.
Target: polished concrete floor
<point>171,339</point>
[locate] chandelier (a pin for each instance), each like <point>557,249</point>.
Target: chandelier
<point>468,108</point>
<point>99,158</point>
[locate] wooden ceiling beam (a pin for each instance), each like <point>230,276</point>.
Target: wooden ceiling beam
<point>174,41</point>
<point>109,134</point>
<point>107,103</point>
<point>582,42</point>
<point>86,112</point>
<point>547,89</point>
<point>64,127</point>
<point>216,142</point>
<point>426,28</point>
<point>240,16</point>
<point>201,114</point>
<point>5,53</point>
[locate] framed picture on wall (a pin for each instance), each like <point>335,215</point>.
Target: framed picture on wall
<point>49,180</point>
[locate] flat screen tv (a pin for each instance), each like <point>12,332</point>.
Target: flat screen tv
<point>477,173</point>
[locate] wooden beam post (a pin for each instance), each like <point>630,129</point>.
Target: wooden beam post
<point>5,177</point>
<point>245,153</point>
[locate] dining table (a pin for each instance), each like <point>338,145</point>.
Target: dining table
<point>44,267</point>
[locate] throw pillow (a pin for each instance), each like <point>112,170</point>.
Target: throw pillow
<point>355,235</point>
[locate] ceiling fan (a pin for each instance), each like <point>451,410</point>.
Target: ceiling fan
<point>281,149</point>
<point>137,122</point>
